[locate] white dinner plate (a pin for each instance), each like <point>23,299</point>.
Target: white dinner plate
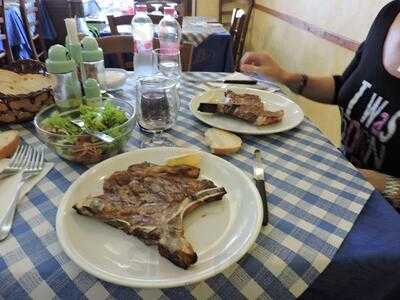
<point>220,232</point>
<point>293,113</point>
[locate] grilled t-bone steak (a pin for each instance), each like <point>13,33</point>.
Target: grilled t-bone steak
<point>246,107</point>
<point>149,201</point>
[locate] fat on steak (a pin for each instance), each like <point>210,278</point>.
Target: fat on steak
<point>150,201</point>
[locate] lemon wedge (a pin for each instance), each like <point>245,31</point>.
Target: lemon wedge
<point>191,159</point>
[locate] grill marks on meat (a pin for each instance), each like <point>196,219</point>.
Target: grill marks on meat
<point>243,99</point>
<point>150,201</point>
<point>246,107</point>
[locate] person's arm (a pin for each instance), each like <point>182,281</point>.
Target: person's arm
<point>319,89</point>
<point>387,185</point>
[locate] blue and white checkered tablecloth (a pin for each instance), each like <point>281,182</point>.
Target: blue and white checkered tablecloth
<point>196,37</point>
<point>316,196</point>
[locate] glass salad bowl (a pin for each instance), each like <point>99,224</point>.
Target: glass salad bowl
<point>73,144</point>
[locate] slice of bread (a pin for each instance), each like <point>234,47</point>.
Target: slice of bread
<point>222,142</point>
<point>9,142</point>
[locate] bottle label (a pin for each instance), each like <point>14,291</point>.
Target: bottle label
<point>169,48</point>
<point>143,46</point>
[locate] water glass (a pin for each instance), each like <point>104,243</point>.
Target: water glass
<point>157,106</point>
<point>168,62</point>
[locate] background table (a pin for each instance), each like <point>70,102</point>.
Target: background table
<point>213,48</point>
<point>212,51</point>
<point>316,196</point>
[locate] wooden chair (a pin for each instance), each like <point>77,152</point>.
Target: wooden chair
<point>6,56</point>
<point>115,21</point>
<point>238,32</point>
<point>122,45</point>
<point>33,27</point>
<point>186,56</point>
<point>226,8</point>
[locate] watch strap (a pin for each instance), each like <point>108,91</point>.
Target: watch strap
<point>392,188</point>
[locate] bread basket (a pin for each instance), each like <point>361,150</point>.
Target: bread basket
<point>22,107</point>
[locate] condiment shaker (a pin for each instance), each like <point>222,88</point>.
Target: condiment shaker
<point>92,65</point>
<point>92,92</point>
<point>67,90</point>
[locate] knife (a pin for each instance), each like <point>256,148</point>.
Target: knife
<point>238,81</point>
<point>260,184</point>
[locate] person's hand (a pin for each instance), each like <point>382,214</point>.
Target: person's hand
<point>378,180</point>
<point>262,63</point>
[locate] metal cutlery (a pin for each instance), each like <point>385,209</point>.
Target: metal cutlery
<point>25,163</point>
<point>272,89</point>
<point>100,135</point>
<point>259,179</point>
<point>248,82</point>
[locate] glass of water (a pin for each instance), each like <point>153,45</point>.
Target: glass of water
<point>169,62</point>
<point>157,105</point>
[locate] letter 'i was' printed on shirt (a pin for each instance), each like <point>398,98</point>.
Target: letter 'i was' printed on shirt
<point>364,86</point>
<point>373,110</point>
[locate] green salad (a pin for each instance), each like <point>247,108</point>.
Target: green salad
<point>76,145</point>
<point>101,119</point>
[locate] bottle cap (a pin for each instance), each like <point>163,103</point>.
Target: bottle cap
<point>90,50</point>
<point>59,60</point>
<point>169,11</point>
<point>91,88</point>
<point>141,8</point>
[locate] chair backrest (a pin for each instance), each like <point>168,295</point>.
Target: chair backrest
<point>122,45</point>
<point>115,21</point>
<point>6,56</point>
<point>33,26</point>
<point>238,32</point>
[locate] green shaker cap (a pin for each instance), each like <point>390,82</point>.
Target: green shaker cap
<point>91,88</point>
<point>90,50</point>
<point>59,60</point>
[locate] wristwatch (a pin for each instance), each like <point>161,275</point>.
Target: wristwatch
<point>300,85</point>
<point>392,188</point>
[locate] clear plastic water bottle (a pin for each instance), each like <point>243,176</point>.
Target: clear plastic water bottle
<point>143,33</point>
<point>170,32</point>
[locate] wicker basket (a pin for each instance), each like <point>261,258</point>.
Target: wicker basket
<point>22,108</point>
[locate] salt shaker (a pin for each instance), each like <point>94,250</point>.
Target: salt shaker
<point>92,65</point>
<point>92,92</point>
<point>67,90</point>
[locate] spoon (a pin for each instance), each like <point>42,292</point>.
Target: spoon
<point>100,135</point>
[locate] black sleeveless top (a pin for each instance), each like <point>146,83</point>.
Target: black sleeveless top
<point>369,98</point>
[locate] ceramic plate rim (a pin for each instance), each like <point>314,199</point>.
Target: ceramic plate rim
<point>140,283</point>
<point>246,132</point>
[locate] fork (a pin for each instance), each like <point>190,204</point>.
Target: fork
<point>25,163</point>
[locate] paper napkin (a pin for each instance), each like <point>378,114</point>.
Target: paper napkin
<point>9,184</point>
